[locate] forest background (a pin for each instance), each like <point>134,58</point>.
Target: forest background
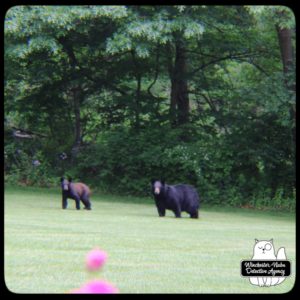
<point>116,95</point>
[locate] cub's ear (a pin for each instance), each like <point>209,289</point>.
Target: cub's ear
<point>70,179</point>
<point>256,241</point>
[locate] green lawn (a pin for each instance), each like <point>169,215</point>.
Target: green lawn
<point>45,246</point>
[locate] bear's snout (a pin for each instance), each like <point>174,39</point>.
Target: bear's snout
<point>156,191</point>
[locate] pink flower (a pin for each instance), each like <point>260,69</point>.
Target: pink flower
<point>96,287</point>
<point>95,259</point>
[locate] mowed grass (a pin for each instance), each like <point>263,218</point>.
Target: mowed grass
<point>45,246</point>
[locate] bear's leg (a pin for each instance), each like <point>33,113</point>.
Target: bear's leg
<point>177,212</point>
<point>88,206</point>
<point>77,200</point>
<point>177,209</point>
<point>194,215</point>
<point>160,208</point>
<point>64,202</point>
<point>86,202</point>
<point>161,211</point>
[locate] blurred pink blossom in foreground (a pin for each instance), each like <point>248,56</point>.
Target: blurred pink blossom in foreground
<point>95,259</point>
<point>96,287</point>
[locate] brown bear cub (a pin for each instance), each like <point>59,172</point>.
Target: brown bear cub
<point>77,191</point>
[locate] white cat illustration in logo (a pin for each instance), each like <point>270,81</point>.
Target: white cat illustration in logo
<point>264,250</point>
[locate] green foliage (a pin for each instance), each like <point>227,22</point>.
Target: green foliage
<point>280,201</point>
<point>115,164</point>
<point>283,16</point>
<point>22,170</point>
<point>155,28</point>
<point>108,72</point>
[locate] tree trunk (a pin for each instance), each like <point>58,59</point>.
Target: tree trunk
<point>76,93</point>
<point>76,102</point>
<point>286,48</point>
<point>173,102</point>
<point>137,102</point>
<point>179,105</point>
<point>287,56</point>
<point>138,77</point>
<point>77,118</point>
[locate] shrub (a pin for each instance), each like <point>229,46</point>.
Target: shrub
<point>123,161</point>
<point>22,169</point>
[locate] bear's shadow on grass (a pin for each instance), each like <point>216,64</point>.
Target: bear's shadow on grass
<point>167,217</point>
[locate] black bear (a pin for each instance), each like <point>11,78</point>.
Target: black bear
<point>178,198</point>
<point>77,191</point>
